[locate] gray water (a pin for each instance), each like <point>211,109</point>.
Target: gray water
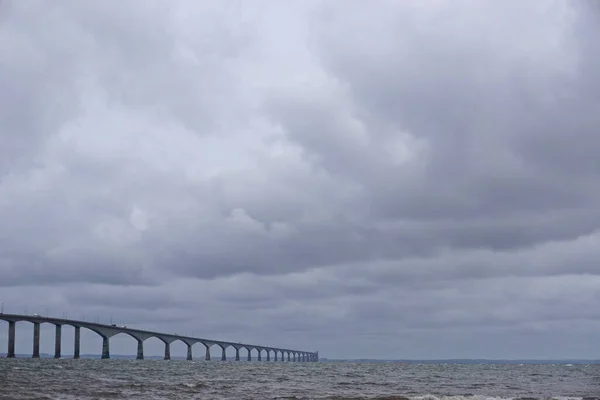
<point>148,379</point>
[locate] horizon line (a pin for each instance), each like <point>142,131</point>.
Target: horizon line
<point>66,356</point>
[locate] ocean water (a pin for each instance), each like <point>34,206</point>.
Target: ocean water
<point>154,379</point>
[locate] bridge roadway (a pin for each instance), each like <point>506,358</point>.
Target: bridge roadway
<point>108,331</point>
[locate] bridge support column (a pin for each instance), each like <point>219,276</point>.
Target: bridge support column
<point>275,351</point>
<point>36,340</point>
<point>11,339</point>
<point>207,353</point>
<point>259,355</point>
<point>268,355</point>
<point>249,355</point>
<point>282,356</point>
<point>77,344</point>
<point>105,348</point>
<point>289,357</point>
<point>294,358</point>
<point>140,350</point>
<point>189,352</point>
<point>167,351</point>
<point>237,354</point>
<point>57,341</point>
<point>223,354</point>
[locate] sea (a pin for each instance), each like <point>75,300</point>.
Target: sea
<point>24,378</point>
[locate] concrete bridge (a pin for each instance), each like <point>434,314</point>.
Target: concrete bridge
<point>108,331</point>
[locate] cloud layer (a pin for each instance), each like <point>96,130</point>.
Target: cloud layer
<point>404,180</point>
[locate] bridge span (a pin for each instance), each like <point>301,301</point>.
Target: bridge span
<point>108,331</point>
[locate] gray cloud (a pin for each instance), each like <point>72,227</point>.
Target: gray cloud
<point>422,186</point>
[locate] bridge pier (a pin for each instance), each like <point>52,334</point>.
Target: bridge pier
<point>268,355</point>
<point>36,340</point>
<point>237,354</point>
<point>249,355</point>
<point>275,351</point>
<point>259,355</point>
<point>223,354</point>
<point>140,350</point>
<point>207,353</point>
<point>189,352</point>
<point>105,348</point>
<point>57,341</point>
<point>77,344</point>
<point>11,340</point>
<point>289,357</point>
<point>167,351</point>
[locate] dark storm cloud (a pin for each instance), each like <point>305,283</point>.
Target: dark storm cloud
<point>304,175</point>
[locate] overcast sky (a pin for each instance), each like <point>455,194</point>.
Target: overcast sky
<point>383,179</point>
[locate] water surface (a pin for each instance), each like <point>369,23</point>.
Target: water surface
<point>153,379</point>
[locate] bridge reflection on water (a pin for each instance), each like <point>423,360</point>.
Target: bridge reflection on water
<point>108,331</point>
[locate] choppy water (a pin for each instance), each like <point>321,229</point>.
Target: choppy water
<point>124,379</point>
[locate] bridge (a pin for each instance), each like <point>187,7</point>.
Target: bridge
<point>107,331</point>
